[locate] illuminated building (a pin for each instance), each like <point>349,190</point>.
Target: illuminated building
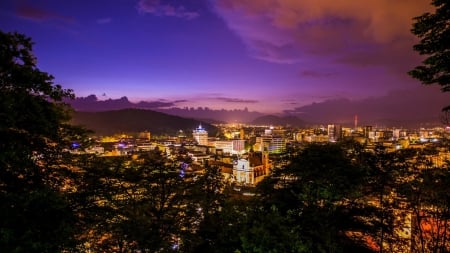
<point>241,134</point>
<point>277,145</point>
<point>331,129</point>
<point>200,135</point>
<point>262,143</point>
<point>252,170</point>
<point>145,135</point>
<point>274,144</point>
<point>225,146</point>
<point>367,130</point>
<point>230,147</point>
<point>238,146</point>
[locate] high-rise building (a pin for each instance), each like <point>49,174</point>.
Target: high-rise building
<point>367,130</point>
<point>225,146</point>
<point>238,146</point>
<point>331,133</point>
<point>277,145</point>
<point>200,135</point>
<point>334,132</point>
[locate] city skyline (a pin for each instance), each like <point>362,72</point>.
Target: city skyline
<point>268,56</point>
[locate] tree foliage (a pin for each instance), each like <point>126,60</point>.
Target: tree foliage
<point>35,214</point>
<point>427,192</point>
<point>321,193</point>
<point>433,30</point>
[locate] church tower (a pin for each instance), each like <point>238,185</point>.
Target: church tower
<point>265,161</point>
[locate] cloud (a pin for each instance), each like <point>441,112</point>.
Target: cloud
<point>154,104</point>
<point>236,100</point>
<point>293,31</point>
<point>157,8</point>
<point>33,13</point>
<point>418,105</point>
<point>92,103</point>
<point>180,101</point>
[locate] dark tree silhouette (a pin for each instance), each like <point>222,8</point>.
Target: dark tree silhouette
<point>320,193</point>
<point>35,216</point>
<point>433,30</point>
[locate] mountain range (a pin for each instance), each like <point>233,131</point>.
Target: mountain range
<point>407,108</point>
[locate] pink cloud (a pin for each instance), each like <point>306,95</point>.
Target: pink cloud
<point>288,31</point>
<point>157,8</point>
<point>39,14</point>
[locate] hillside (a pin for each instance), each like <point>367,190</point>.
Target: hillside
<point>92,104</point>
<point>137,120</point>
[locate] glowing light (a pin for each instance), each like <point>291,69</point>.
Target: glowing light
<point>183,168</point>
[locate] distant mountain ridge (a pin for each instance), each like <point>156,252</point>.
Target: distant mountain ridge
<point>92,104</point>
<point>138,120</point>
<point>419,107</point>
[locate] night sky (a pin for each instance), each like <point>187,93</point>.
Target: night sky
<point>266,55</point>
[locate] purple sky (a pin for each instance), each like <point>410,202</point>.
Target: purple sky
<point>266,55</point>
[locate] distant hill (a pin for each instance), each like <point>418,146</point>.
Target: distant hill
<point>137,120</point>
<point>410,108</point>
<point>279,121</point>
<point>92,104</point>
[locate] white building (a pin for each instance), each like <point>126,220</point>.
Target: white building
<point>252,170</point>
<point>200,135</point>
<point>225,146</point>
<point>230,147</point>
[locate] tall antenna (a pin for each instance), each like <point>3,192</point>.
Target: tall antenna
<point>356,122</point>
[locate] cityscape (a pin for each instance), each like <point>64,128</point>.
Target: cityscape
<point>237,140</point>
<point>245,155</point>
<point>224,126</point>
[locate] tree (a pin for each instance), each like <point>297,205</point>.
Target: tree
<point>207,197</point>
<point>386,170</point>
<point>320,194</point>
<point>428,196</point>
<point>431,211</point>
<point>94,187</point>
<point>433,30</point>
<point>138,203</point>
<point>35,215</point>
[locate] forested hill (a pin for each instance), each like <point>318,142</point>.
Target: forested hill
<point>137,120</point>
